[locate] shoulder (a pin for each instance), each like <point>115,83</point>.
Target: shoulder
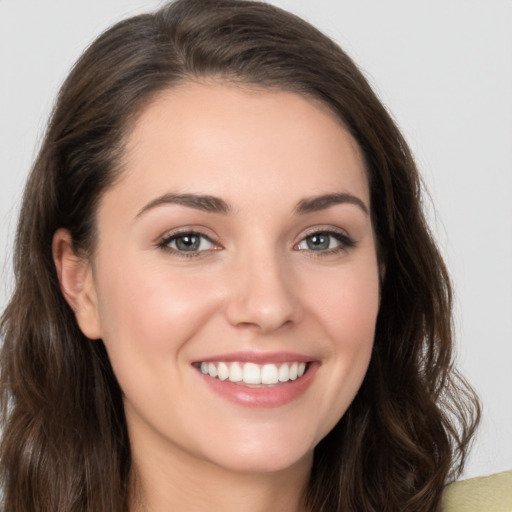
<point>483,494</point>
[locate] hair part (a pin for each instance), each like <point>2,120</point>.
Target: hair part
<point>65,443</point>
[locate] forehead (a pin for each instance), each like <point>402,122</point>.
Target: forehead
<point>253,143</point>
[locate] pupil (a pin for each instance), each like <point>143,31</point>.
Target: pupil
<point>316,242</point>
<point>188,243</point>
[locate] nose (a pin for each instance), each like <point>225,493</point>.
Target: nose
<point>262,294</point>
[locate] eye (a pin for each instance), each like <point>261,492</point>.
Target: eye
<point>325,241</point>
<point>187,242</point>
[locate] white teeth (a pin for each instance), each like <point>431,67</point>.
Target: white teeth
<point>223,371</point>
<point>269,374</point>
<point>253,374</point>
<point>284,373</point>
<point>293,371</point>
<point>235,373</point>
<point>212,370</point>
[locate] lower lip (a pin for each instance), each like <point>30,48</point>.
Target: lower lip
<point>268,396</point>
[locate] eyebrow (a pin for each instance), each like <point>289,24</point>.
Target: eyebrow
<point>202,202</point>
<point>317,203</point>
<point>214,204</point>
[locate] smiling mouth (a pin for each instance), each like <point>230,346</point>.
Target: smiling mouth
<point>253,374</point>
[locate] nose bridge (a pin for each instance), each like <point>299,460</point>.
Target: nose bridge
<point>262,290</point>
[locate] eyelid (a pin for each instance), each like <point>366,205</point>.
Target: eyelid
<point>321,228</point>
<point>194,229</point>
<point>345,240</point>
<point>163,241</point>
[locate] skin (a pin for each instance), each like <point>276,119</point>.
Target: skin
<point>255,285</point>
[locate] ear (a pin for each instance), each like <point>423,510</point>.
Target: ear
<point>76,283</point>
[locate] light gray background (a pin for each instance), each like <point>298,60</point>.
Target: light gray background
<point>444,69</point>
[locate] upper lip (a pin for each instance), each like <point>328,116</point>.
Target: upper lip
<point>258,357</point>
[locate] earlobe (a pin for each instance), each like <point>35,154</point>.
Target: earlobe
<point>76,283</point>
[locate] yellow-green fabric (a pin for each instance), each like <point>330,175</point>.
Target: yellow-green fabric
<point>483,494</point>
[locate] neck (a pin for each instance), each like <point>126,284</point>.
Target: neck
<point>178,484</point>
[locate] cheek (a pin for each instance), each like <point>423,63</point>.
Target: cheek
<point>347,311</point>
<point>150,311</point>
<point>347,304</point>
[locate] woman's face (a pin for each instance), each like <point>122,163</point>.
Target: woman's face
<point>237,246</point>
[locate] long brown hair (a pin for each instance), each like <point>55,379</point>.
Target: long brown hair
<point>65,445</point>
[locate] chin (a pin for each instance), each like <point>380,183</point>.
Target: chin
<point>262,452</point>
<point>264,463</point>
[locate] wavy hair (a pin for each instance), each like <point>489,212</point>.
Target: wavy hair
<point>65,445</point>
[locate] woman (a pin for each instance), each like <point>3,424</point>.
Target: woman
<point>227,295</point>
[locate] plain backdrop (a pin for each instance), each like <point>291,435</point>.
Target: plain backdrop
<point>443,68</point>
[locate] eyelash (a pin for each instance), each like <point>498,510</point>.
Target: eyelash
<point>345,243</point>
<point>167,240</point>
